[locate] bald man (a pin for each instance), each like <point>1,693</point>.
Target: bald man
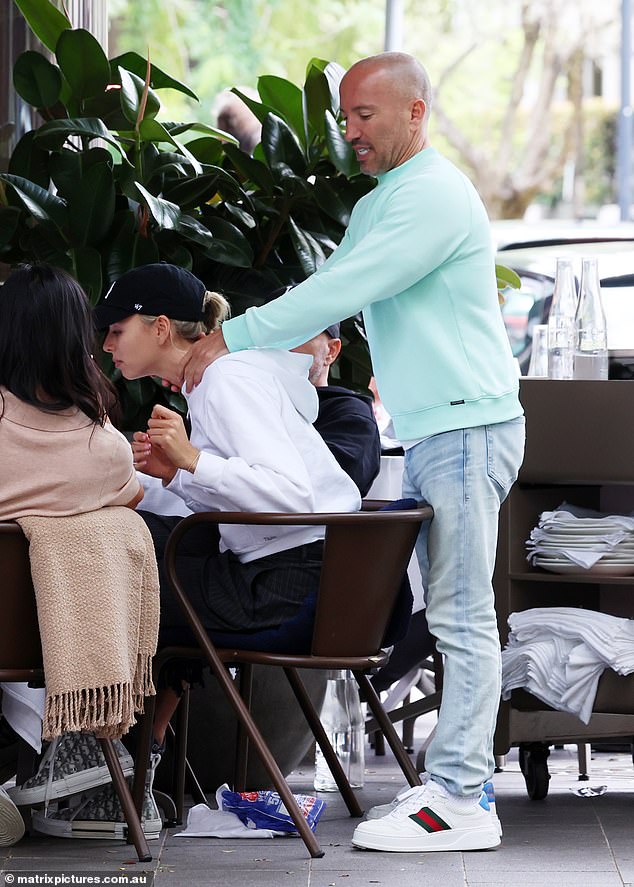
<point>417,260</point>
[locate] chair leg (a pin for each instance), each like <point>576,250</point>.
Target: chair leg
<point>241,761</point>
<point>260,746</point>
<point>387,727</point>
<point>180,755</point>
<point>135,831</point>
<point>144,744</point>
<point>310,713</point>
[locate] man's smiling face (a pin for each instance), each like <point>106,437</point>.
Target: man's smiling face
<point>380,122</point>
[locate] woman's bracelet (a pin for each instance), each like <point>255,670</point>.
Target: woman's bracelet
<point>192,466</point>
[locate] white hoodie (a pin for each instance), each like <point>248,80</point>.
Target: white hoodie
<point>251,418</point>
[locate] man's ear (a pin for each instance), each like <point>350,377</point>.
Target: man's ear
<point>418,111</point>
<point>334,347</point>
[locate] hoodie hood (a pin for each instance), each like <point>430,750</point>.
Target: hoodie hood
<point>288,368</point>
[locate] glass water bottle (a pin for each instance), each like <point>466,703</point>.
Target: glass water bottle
<point>591,345</point>
<point>561,322</point>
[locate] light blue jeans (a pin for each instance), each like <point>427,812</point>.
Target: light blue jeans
<point>465,475</point>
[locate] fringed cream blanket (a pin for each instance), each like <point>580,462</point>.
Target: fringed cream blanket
<point>97,591</point>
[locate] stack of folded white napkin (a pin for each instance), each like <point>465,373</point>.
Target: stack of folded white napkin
<point>559,653</point>
<point>570,539</point>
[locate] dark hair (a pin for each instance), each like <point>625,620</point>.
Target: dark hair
<point>47,337</point>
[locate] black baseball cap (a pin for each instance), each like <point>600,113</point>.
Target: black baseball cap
<point>153,289</point>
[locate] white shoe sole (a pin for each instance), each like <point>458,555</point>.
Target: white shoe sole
<point>86,828</point>
<point>69,785</point>
<point>11,823</point>
<point>485,838</point>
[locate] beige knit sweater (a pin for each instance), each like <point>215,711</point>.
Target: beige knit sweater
<point>97,592</point>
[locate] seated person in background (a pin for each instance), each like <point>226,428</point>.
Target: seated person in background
<point>60,454</point>
<point>252,447</point>
<point>345,419</point>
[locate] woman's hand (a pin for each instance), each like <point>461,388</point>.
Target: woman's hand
<point>166,432</point>
<point>150,459</point>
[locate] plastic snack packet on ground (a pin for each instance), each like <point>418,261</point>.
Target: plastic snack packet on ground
<point>588,791</point>
<point>265,809</point>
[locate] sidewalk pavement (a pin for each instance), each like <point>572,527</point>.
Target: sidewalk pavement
<point>563,841</point>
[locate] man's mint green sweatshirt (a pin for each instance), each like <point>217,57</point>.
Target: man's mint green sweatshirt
<point>417,259</point>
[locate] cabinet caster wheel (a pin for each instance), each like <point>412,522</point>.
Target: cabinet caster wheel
<point>534,766</point>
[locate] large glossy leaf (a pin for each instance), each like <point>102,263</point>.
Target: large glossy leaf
<point>44,19</point>
<point>83,63</point>
<point>44,243</point>
<point>308,250</point>
<point>30,161</point>
<point>316,99</point>
<point>334,73</point>
<point>165,214</point>
<point>9,217</point>
<point>507,278</point>
<point>54,134</point>
<point>106,106</point>
<point>128,250</point>
<point>36,80</point>
<point>131,97</point>
<point>207,150</point>
<point>87,270</point>
<point>339,151</point>
<point>330,202</point>
<point>280,145</point>
<point>38,201</point>
<point>135,63</point>
<point>189,192</point>
<point>178,128</point>
<point>240,215</point>
<point>177,254</point>
<point>69,167</point>
<point>229,245</point>
<point>91,208</point>
<point>154,131</point>
<point>285,98</point>
<point>258,108</point>
<point>251,169</point>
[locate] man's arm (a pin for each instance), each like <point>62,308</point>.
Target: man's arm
<point>412,238</point>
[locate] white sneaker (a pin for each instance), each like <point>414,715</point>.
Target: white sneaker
<point>488,792</point>
<point>427,820</point>
<point>383,809</point>
<point>11,823</point>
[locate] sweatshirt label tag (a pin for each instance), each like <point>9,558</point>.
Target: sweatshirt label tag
<point>455,403</point>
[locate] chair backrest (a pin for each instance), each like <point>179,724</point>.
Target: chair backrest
<point>366,555</point>
<point>20,648</point>
<point>364,565</point>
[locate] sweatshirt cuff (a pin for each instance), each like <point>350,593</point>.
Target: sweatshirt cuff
<point>209,470</point>
<point>236,334</point>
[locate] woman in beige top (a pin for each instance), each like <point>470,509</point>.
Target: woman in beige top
<point>59,453</point>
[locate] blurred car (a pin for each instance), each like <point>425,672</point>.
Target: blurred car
<point>534,258</point>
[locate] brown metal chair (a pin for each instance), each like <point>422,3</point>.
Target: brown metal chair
<point>365,559</point>
<point>21,655</point>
